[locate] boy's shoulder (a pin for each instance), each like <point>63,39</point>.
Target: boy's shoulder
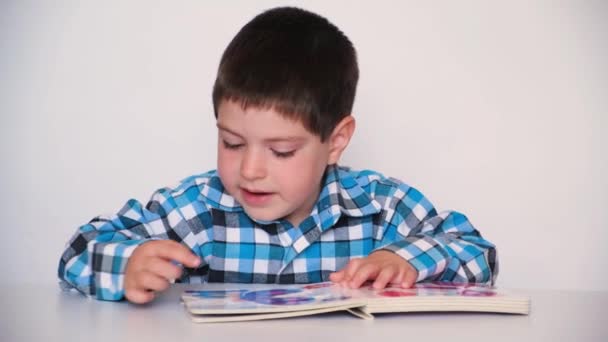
<point>193,185</point>
<point>375,183</point>
<point>391,194</point>
<point>199,178</point>
<point>367,177</point>
<point>199,188</point>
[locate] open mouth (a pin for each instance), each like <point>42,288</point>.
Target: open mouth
<point>256,197</point>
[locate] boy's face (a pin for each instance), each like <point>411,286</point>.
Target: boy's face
<point>272,165</point>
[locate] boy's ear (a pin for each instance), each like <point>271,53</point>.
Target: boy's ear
<point>340,137</point>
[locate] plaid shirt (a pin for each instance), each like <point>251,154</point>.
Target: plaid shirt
<point>357,213</point>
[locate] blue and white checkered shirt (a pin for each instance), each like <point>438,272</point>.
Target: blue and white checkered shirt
<point>357,213</point>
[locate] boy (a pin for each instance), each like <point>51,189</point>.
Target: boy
<point>278,209</point>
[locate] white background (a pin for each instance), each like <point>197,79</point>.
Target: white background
<point>495,110</point>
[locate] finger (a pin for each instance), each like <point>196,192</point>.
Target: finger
<point>175,251</point>
<point>139,296</point>
<point>351,269</point>
<point>409,279</point>
<point>150,281</point>
<point>386,275</point>
<point>163,268</point>
<point>336,277</point>
<point>365,272</point>
<point>398,279</point>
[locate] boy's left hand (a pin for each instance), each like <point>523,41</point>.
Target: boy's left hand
<point>383,267</point>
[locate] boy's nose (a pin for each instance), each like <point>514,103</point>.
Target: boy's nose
<point>253,166</point>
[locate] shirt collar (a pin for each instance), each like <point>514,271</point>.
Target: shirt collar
<point>341,194</point>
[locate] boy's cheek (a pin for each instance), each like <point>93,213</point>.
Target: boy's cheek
<point>227,176</point>
<point>227,164</point>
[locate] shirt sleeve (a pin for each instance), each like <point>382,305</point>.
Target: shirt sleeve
<point>440,246</point>
<point>96,256</point>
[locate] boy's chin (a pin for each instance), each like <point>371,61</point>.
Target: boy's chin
<point>264,218</point>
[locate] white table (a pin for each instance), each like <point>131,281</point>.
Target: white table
<point>45,313</point>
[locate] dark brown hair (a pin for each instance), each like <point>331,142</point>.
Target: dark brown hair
<point>293,61</point>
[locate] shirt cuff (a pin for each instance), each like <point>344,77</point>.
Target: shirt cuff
<point>109,261</point>
<point>424,253</point>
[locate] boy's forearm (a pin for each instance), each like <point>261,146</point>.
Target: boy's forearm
<point>99,271</point>
<point>446,247</point>
<point>95,257</point>
<point>454,262</point>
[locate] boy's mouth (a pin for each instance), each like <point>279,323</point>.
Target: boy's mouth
<point>255,198</point>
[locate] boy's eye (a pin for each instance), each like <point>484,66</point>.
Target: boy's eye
<point>231,146</point>
<point>286,154</point>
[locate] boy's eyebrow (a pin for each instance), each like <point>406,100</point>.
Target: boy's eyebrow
<point>275,139</point>
<point>223,128</point>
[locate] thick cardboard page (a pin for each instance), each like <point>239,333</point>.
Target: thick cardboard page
<point>216,318</point>
<point>243,302</point>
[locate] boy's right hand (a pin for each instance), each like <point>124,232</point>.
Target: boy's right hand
<point>150,268</point>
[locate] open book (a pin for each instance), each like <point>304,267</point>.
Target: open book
<point>246,302</point>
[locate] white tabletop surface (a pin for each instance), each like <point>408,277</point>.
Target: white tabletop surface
<point>36,313</point>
